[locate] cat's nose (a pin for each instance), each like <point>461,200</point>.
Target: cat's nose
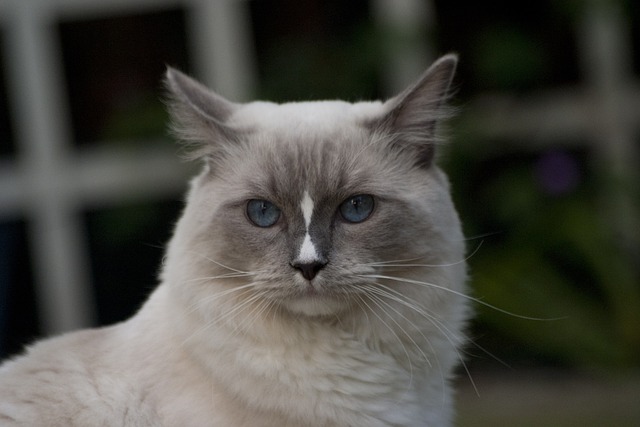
<point>309,270</point>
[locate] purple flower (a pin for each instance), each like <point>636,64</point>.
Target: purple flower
<point>557,172</point>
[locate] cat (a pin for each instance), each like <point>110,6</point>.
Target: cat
<point>316,277</point>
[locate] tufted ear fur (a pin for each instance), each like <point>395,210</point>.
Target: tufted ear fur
<point>198,115</point>
<point>411,117</point>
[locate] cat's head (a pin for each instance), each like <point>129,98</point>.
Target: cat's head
<point>307,207</point>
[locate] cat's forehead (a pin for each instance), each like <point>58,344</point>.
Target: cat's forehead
<point>317,115</point>
<point>319,147</point>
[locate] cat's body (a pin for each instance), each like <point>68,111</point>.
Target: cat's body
<point>315,279</point>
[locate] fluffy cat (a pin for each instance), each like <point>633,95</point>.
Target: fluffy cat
<point>315,278</point>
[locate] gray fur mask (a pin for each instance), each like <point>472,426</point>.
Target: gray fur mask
<point>310,200</point>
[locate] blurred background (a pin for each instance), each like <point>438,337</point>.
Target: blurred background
<point>543,159</point>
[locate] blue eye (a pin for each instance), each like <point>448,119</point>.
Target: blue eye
<point>262,213</point>
<point>357,208</point>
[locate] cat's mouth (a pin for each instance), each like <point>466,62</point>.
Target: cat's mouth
<point>314,300</point>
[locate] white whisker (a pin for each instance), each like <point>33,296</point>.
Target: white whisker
<point>405,263</point>
<point>220,316</point>
<point>221,276</point>
<point>215,296</point>
<point>393,294</point>
<point>393,332</point>
<point>454,292</point>
<point>373,295</point>
<point>256,312</point>
<point>236,309</point>
<point>482,236</point>
<point>449,335</point>
<point>218,263</point>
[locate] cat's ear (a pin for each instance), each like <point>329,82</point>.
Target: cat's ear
<point>411,117</point>
<point>198,115</point>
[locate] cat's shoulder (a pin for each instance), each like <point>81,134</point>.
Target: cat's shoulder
<point>66,380</point>
<point>62,354</point>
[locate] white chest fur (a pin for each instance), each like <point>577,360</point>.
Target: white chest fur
<point>318,375</point>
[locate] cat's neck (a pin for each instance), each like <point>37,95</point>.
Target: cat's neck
<point>308,356</point>
<point>278,330</point>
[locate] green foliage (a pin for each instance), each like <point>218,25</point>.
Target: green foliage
<point>549,252</point>
<point>139,118</point>
<point>552,257</point>
<point>505,57</point>
<point>328,68</point>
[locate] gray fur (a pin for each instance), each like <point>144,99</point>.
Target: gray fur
<point>235,335</point>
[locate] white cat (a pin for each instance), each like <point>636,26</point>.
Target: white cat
<point>316,278</point>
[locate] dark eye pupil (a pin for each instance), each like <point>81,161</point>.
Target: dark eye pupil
<point>262,212</point>
<point>357,208</point>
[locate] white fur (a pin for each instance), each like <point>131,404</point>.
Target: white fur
<point>321,116</point>
<point>307,209</point>
<point>308,251</point>
<point>163,368</point>
<point>235,338</point>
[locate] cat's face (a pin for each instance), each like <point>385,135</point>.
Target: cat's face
<point>303,206</point>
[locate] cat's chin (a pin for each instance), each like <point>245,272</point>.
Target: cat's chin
<point>314,306</point>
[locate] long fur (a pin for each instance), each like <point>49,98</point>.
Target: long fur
<point>235,335</point>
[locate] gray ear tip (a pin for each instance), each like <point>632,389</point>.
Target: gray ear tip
<point>172,75</point>
<point>449,60</point>
<point>178,83</point>
<point>451,56</point>
<point>170,78</point>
